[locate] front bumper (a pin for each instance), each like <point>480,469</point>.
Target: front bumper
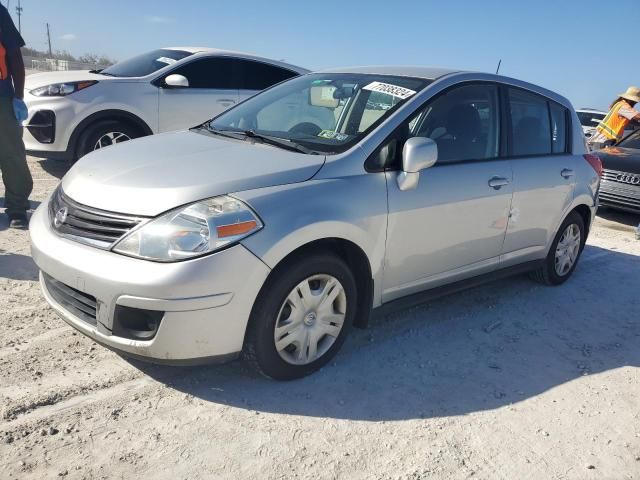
<point>206,301</point>
<point>619,195</point>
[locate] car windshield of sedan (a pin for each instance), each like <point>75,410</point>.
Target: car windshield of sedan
<point>632,141</point>
<point>145,64</point>
<point>325,113</point>
<point>590,119</point>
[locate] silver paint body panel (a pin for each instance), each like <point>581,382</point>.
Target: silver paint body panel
<point>452,226</point>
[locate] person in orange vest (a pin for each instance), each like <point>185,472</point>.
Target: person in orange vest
<point>611,129</point>
<point>13,112</point>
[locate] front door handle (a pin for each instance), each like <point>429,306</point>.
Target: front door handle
<point>227,101</point>
<point>567,173</point>
<point>498,182</point>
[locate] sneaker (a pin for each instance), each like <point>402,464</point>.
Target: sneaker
<point>18,221</point>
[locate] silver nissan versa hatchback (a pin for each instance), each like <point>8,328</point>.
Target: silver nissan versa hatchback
<point>274,228</point>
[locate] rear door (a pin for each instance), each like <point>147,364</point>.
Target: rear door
<point>254,76</point>
<point>543,173</point>
<point>452,225</point>
<point>213,88</point>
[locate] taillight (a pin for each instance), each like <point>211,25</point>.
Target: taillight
<point>595,162</point>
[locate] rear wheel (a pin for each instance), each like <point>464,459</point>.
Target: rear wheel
<point>564,252</point>
<point>105,134</point>
<point>301,317</point>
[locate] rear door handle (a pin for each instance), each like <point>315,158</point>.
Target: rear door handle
<point>226,101</point>
<point>567,173</point>
<point>498,182</point>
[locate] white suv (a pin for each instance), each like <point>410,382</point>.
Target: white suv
<point>75,112</point>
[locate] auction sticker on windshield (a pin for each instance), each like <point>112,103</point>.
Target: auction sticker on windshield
<point>394,90</point>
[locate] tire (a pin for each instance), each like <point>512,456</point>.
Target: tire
<point>285,359</point>
<point>548,274</point>
<point>100,132</point>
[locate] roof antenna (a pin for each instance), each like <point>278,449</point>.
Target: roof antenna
<point>498,69</point>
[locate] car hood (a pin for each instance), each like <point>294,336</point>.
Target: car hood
<point>154,174</point>
<point>620,159</point>
<point>37,80</point>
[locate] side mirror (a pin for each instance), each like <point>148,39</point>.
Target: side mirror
<point>418,153</point>
<point>176,81</point>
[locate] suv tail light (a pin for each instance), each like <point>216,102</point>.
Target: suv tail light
<point>595,162</point>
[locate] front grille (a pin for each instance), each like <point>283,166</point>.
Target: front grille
<point>78,303</point>
<point>619,193</point>
<point>614,176</point>
<point>88,225</point>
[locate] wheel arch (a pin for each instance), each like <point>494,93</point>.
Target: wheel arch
<point>103,116</point>
<point>354,256</point>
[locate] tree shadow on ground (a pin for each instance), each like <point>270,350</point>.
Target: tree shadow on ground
<point>476,350</point>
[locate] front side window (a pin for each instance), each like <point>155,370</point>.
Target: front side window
<point>145,64</point>
<point>464,122</point>
<point>322,112</point>
<point>529,123</point>
<point>214,73</point>
<point>258,76</point>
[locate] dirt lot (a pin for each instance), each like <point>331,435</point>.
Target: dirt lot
<point>510,380</point>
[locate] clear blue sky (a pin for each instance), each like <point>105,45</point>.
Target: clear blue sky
<point>559,44</point>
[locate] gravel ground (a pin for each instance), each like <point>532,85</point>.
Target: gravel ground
<point>509,380</point>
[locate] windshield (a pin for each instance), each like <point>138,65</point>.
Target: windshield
<point>322,112</point>
<point>632,141</point>
<point>590,119</point>
<point>145,64</point>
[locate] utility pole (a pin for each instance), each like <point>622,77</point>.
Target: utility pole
<point>19,12</point>
<point>49,39</point>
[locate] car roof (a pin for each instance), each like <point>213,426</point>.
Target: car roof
<point>429,73</point>
<point>591,110</point>
<point>248,56</point>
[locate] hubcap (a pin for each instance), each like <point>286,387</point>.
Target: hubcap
<point>111,138</point>
<point>310,319</point>
<point>567,249</point>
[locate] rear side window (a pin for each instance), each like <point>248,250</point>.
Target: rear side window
<point>258,76</point>
<point>530,123</point>
<point>558,128</point>
<point>210,73</point>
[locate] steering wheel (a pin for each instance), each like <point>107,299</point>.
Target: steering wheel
<point>306,128</point>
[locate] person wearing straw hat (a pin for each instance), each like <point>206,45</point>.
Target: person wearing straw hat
<point>611,129</point>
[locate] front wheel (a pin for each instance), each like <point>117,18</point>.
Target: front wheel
<point>564,252</point>
<point>301,317</point>
<point>105,134</point>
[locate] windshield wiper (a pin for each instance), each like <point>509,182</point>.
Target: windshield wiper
<point>223,133</point>
<point>279,142</point>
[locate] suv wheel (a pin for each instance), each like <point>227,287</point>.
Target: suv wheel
<point>301,317</point>
<point>564,252</point>
<point>105,134</point>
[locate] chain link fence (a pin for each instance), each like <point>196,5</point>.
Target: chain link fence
<point>34,64</point>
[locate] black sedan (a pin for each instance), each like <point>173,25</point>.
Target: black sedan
<point>620,186</point>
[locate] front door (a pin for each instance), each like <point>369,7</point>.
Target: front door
<point>212,89</point>
<point>452,225</point>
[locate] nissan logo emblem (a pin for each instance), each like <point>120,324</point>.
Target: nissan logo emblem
<point>61,217</point>
<point>627,178</point>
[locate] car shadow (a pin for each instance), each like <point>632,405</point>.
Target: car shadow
<point>625,218</point>
<point>15,266</point>
<point>481,349</point>
<point>57,168</point>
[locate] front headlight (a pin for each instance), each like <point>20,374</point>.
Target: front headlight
<point>191,231</point>
<point>61,89</point>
